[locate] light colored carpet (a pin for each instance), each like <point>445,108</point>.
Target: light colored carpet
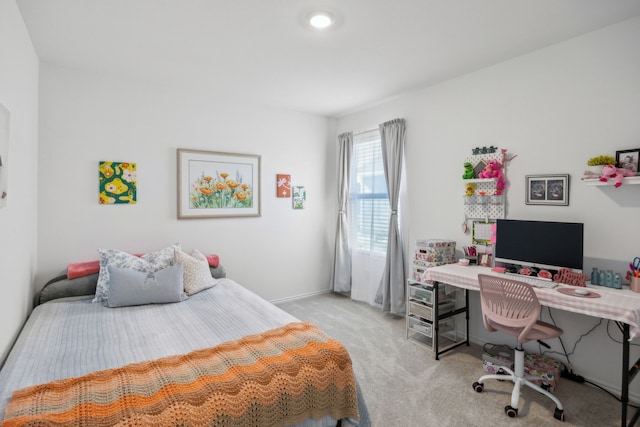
<point>405,386</point>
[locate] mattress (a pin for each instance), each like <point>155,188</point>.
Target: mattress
<point>71,337</point>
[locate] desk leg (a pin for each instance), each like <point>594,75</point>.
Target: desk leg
<point>435,320</point>
<point>628,374</point>
<point>625,373</point>
<point>466,306</point>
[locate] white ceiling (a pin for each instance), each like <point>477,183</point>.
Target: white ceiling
<point>259,51</point>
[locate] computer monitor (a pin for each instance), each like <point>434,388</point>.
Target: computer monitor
<point>540,244</point>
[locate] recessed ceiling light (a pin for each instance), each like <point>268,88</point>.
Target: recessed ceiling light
<point>321,20</point>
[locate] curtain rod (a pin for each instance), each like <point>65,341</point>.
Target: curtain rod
<point>360,132</point>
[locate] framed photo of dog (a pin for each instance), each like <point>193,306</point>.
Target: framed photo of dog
<point>547,190</point>
<point>628,159</point>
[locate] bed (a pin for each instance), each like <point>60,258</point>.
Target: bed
<point>68,337</point>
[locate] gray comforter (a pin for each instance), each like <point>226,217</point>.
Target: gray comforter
<point>71,337</point>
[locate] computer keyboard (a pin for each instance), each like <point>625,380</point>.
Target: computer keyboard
<point>536,282</point>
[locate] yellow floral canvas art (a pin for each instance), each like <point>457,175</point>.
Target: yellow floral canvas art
<point>118,183</point>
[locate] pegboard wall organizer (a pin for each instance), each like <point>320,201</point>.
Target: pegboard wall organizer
<point>480,200</point>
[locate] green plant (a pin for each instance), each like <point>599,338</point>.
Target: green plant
<point>601,160</point>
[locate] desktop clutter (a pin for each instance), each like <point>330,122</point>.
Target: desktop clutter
<point>633,275</point>
<point>606,278</point>
<point>614,280</point>
<point>564,275</point>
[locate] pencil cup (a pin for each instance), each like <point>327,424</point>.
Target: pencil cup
<point>634,284</point>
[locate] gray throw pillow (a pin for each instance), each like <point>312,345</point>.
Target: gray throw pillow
<point>149,263</point>
<point>131,287</point>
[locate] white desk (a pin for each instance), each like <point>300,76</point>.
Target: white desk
<point>620,305</point>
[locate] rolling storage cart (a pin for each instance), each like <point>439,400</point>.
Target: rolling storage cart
<point>434,309</point>
<point>434,316</point>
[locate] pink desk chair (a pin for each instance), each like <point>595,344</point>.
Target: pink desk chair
<point>512,307</point>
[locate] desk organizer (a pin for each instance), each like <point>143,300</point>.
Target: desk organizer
<point>431,253</point>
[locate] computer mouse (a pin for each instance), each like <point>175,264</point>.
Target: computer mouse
<point>581,291</point>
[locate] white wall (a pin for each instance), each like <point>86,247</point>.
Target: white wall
<point>554,108</point>
<point>18,222</point>
<point>86,118</point>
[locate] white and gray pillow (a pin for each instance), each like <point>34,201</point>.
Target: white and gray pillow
<point>147,263</point>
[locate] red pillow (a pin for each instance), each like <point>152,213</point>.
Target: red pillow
<point>214,260</point>
<point>80,269</point>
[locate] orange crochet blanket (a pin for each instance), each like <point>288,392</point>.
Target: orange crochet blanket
<point>276,378</point>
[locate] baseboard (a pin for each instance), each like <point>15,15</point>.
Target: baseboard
<point>300,296</point>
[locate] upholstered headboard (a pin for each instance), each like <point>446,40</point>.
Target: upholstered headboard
<point>61,286</point>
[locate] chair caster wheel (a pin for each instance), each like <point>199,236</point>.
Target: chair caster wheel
<point>558,414</point>
<point>512,412</point>
<point>478,387</point>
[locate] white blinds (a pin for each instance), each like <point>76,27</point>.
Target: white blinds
<point>370,210</point>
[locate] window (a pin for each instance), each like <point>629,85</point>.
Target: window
<point>368,195</point>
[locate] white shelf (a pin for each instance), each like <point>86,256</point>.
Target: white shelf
<point>479,180</point>
<point>629,180</point>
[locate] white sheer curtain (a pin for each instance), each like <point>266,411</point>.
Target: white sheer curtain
<point>367,271</point>
<point>369,211</point>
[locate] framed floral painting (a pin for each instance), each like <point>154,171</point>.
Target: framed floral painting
<point>213,184</point>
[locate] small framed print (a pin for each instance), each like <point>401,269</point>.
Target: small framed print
<point>628,159</point>
<point>299,197</point>
<point>479,167</point>
<point>550,190</point>
<point>283,185</point>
